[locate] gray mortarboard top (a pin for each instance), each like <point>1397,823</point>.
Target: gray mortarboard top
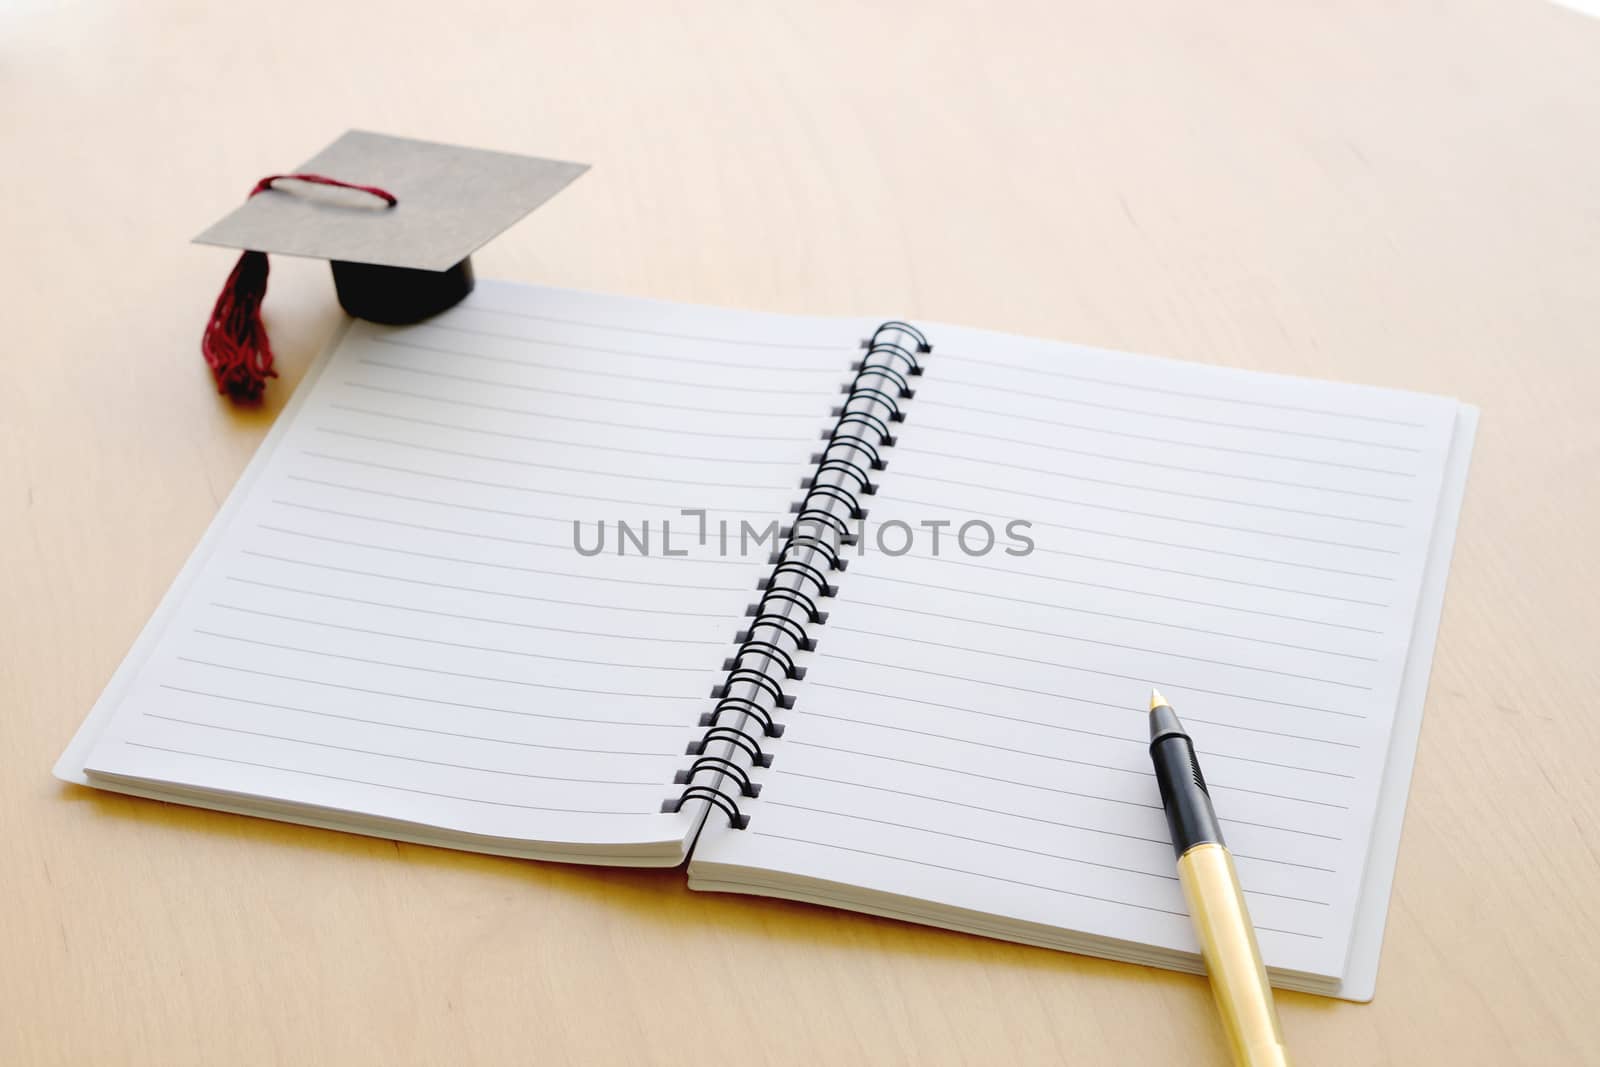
<point>403,262</point>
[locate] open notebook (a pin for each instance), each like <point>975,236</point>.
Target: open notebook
<point>877,629</point>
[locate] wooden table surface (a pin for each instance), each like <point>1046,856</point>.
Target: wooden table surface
<point>1403,194</point>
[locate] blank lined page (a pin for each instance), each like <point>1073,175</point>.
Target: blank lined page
<point>392,619</point>
<point>972,729</point>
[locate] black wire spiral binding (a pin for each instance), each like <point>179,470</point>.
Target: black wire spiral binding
<point>751,694</point>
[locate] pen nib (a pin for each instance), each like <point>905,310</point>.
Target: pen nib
<point>1163,720</point>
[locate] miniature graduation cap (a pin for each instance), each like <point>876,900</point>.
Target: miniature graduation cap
<point>397,218</point>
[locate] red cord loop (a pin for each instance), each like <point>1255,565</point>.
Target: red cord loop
<point>235,344</point>
<point>317,179</point>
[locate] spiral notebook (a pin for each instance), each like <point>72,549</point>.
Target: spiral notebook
<point>856,612</point>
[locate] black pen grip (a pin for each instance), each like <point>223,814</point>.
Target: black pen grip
<point>1184,796</point>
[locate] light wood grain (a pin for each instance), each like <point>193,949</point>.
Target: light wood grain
<point>1399,194</point>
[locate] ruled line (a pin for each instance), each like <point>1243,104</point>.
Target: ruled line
<point>483,592</point>
<point>965,773</point>
<point>558,368</point>
<point>1017,848</point>
<point>1085,611</point>
<point>1141,592</point>
<point>819,369</point>
<point>629,723</point>
<point>1081,700</point>
<point>565,547</point>
<point>430,762</point>
<point>976,874</point>
<point>879,525</point>
<point>467,645</point>
<point>1138,772</point>
<point>571,394</point>
<point>451,674</point>
<point>585,471</point>
<point>975,840</point>
<point>470,507</point>
<point>424,499</point>
<point>1175,686</point>
<point>433,398</point>
<point>1144,413</point>
<point>1159,491</point>
<point>1161,516</point>
<point>857,721</point>
<point>1151,463</point>
<point>537,490</point>
<point>1164,842</point>
<point>1031,785</point>
<point>1107,644</point>
<point>382,785</point>
<point>1164,544</point>
<point>584,445</point>
<point>608,635</point>
<point>1210,577</point>
<point>1179,392</point>
<point>281,502</point>
<point>1141,743</point>
<point>699,587</point>
<point>1011,415</point>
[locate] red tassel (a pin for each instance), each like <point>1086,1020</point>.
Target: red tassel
<point>235,342</point>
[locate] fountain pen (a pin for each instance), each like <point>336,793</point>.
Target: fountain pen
<point>1216,903</point>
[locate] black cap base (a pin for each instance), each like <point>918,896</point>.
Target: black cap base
<point>400,295</point>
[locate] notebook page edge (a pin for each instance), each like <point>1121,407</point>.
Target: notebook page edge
<point>1134,953</point>
<point>396,830</point>
<point>1361,969</point>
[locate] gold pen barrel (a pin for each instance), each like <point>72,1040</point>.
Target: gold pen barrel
<point>1228,942</point>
